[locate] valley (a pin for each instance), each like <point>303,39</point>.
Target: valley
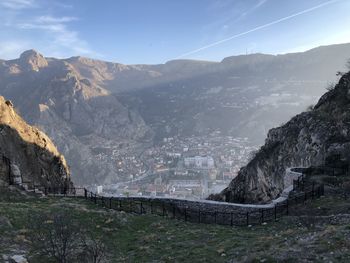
<point>117,124</point>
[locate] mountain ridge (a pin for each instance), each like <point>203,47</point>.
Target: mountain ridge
<point>82,103</point>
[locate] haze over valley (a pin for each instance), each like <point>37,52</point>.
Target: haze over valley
<point>131,127</point>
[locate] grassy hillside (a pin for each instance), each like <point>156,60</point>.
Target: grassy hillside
<point>319,230</point>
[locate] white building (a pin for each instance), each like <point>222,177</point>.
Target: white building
<point>206,162</point>
<point>99,189</point>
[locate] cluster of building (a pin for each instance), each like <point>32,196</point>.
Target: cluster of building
<point>191,167</point>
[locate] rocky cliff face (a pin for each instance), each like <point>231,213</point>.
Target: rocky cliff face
<point>316,137</point>
<point>27,155</point>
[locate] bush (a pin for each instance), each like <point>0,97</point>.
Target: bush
<point>94,249</point>
<point>60,238</point>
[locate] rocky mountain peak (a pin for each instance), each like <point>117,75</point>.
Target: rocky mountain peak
<point>33,60</point>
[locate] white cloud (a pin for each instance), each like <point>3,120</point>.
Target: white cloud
<point>44,31</point>
<point>260,3</point>
<point>51,19</point>
<point>18,4</point>
<point>252,9</point>
<point>61,35</point>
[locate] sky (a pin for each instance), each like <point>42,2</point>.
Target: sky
<point>156,31</point>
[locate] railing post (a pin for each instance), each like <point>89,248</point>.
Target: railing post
<point>247,218</point>
<point>215,213</point>
<point>85,193</point>
<point>275,212</point>
<point>95,199</point>
<point>199,215</point>
<point>163,209</point>
<point>110,203</point>
<point>141,207</point>
<point>151,207</point>
<point>262,216</point>
<point>322,189</point>
<point>185,214</point>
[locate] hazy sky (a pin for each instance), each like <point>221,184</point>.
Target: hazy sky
<point>154,31</point>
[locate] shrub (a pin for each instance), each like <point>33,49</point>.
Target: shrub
<point>60,238</point>
<point>56,236</point>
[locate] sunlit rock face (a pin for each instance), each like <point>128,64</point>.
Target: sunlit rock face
<point>27,155</point>
<point>317,137</point>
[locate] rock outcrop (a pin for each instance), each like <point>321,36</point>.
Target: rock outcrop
<point>27,155</point>
<point>320,136</point>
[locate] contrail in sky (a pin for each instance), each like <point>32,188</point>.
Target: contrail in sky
<point>258,28</point>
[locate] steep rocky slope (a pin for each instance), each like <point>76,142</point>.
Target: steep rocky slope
<point>317,137</point>
<point>27,155</point>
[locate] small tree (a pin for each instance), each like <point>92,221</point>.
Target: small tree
<point>56,236</point>
<point>94,249</point>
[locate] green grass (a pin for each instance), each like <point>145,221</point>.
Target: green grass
<point>150,238</point>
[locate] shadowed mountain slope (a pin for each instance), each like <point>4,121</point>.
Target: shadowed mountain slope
<point>318,137</point>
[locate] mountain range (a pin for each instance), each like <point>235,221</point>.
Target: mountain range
<point>91,108</point>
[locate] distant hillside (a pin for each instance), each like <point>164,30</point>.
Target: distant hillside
<point>27,155</point>
<point>318,137</point>
<point>92,109</point>
<point>240,96</point>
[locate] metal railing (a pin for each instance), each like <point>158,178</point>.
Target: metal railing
<point>190,211</point>
<point>176,210</point>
